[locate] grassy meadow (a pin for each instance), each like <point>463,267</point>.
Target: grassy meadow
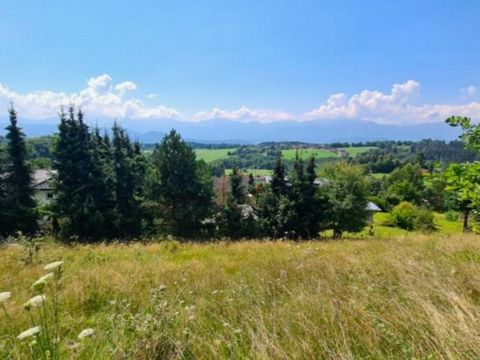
<point>355,150</point>
<point>209,155</point>
<point>406,296</point>
<point>289,154</point>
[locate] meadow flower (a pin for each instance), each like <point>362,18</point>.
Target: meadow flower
<point>42,282</point>
<point>53,266</point>
<point>36,301</point>
<point>162,287</point>
<point>85,333</point>
<point>30,332</point>
<point>4,296</point>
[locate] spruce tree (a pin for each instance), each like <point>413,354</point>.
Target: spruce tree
<point>82,194</point>
<point>184,187</point>
<point>128,173</point>
<point>19,204</point>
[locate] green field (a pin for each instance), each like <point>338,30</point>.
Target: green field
<point>406,296</point>
<point>209,155</point>
<point>355,150</point>
<point>305,154</point>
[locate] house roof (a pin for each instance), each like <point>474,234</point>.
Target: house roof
<point>373,207</point>
<point>41,179</point>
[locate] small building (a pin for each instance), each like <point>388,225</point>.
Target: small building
<point>42,184</point>
<point>372,208</point>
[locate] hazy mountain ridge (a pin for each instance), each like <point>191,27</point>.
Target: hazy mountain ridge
<point>227,131</point>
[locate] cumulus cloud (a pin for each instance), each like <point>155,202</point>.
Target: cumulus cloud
<point>469,91</point>
<point>244,113</point>
<point>396,107</point>
<point>101,98</point>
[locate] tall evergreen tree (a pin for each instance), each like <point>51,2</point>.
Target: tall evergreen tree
<point>20,213</point>
<point>81,179</point>
<point>184,188</point>
<point>128,173</point>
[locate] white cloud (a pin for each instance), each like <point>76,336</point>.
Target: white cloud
<point>244,113</point>
<point>99,99</point>
<point>469,91</point>
<point>397,107</point>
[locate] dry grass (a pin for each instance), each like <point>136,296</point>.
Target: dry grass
<point>409,297</point>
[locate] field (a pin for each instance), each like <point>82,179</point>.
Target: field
<point>355,150</point>
<point>407,296</point>
<point>209,155</point>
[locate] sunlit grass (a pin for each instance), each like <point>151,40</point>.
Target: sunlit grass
<point>408,296</point>
<point>209,155</point>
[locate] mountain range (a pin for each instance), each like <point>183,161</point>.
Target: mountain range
<point>236,132</point>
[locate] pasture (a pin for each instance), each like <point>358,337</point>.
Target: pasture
<point>209,155</point>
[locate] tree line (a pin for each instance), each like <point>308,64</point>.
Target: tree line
<point>106,187</point>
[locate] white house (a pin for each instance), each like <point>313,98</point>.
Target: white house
<point>42,184</point>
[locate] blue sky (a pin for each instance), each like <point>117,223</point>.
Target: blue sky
<point>261,60</point>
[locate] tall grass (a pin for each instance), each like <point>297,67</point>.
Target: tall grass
<point>407,297</point>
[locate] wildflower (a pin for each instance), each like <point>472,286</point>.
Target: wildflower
<point>214,292</point>
<point>30,332</point>
<point>237,331</point>
<point>86,333</point>
<point>53,266</point>
<point>162,287</point>
<point>4,296</point>
<point>42,282</point>
<point>36,301</point>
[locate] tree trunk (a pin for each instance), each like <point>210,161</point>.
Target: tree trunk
<point>465,220</point>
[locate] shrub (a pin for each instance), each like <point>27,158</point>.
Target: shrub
<point>424,220</point>
<point>452,215</point>
<point>409,217</point>
<point>403,215</point>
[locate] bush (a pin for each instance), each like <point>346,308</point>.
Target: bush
<point>424,220</point>
<point>409,217</point>
<point>452,215</point>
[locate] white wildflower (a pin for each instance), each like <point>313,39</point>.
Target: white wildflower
<point>53,266</point>
<point>4,296</point>
<point>162,287</point>
<point>36,301</point>
<point>30,332</point>
<point>237,331</point>
<point>214,292</point>
<point>85,333</point>
<point>42,282</point>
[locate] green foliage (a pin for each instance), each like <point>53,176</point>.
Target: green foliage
<point>404,184</point>
<point>183,186</point>
<point>345,191</point>
<point>471,132</point>
<point>129,170</point>
<point>18,211</point>
<point>463,182</point>
<point>409,217</point>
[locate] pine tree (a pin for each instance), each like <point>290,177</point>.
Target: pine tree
<point>184,187</point>
<point>20,213</point>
